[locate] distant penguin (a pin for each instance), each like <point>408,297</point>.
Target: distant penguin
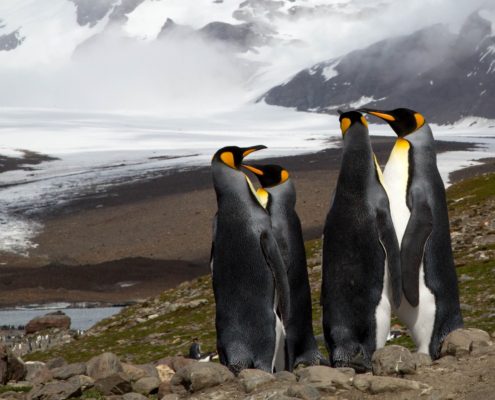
<point>279,196</point>
<point>249,276</point>
<point>361,268</point>
<point>419,210</point>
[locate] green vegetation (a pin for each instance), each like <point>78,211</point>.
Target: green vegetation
<point>142,340</point>
<point>10,388</point>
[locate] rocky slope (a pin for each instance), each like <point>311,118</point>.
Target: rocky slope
<point>427,70</point>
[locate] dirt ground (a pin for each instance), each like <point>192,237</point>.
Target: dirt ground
<point>165,223</point>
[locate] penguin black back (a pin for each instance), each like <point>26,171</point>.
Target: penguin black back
<point>361,269</point>
<point>248,273</point>
<point>275,180</point>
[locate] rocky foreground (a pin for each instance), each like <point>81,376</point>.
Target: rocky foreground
<point>466,370</point>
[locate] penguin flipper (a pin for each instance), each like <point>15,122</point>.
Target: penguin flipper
<point>275,262</point>
<point>413,245</point>
<point>390,244</point>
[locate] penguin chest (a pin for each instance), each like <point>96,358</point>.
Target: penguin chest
<point>396,176</point>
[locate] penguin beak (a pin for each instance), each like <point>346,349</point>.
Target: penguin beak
<point>248,150</point>
<point>385,115</point>
<point>254,170</point>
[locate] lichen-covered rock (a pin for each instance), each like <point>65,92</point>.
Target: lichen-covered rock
<point>146,385</point>
<point>37,372</point>
<point>55,362</point>
<point>305,392</point>
<point>393,361</point>
<point>103,366</point>
<point>133,372</point>
<point>199,376</point>
<point>69,370</point>
<point>252,379</point>
<point>460,342</point>
<point>58,390</point>
<point>165,373</point>
<point>176,362</point>
<point>285,376</point>
<point>324,378</point>
<point>422,360</point>
<point>55,319</point>
<point>134,396</point>
<point>11,368</point>
<point>84,381</point>
<point>117,383</point>
<point>383,384</point>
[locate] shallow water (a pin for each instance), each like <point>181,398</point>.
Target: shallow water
<point>81,318</point>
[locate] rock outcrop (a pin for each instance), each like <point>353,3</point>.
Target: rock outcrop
<point>56,319</point>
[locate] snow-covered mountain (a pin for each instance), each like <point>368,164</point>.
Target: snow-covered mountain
<point>198,56</point>
<point>445,75</point>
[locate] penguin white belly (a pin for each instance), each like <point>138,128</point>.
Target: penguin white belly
<point>382,312</point>
<point>420,319</point>
<point>278,361</point>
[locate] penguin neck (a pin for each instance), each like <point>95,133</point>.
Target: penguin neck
<point>282,197</point>
<point>422,139</point>
<point>357,155</point>
<point>232,186</point>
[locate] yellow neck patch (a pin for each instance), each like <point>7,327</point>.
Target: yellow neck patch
<point>228,159</point>
<point>401,144</point>
<point>379,171</point>
<point>263,196</point>
<point>257,194</point>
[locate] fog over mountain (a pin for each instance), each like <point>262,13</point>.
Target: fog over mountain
<point>194,57</point>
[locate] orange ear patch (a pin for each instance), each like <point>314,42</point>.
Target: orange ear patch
<point>345,124</point>
<point>284,175</point>
<point>364,122</point>
<point>420,120</point>
<point>228,159</point>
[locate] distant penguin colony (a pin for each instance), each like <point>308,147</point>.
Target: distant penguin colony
<point>386,249</point>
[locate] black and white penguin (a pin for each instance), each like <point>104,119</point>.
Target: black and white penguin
<point>249,276</point>
<point>430,307</point>
<point>361,268</point>
<point>278,194</point>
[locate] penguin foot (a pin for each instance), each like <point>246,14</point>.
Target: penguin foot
<point>360,363</point>
<point>308,360</point>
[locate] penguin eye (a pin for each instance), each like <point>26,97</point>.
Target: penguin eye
<point>345,124</point>
<point>228,159</point>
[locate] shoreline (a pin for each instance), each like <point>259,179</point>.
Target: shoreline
<point>157,233</point>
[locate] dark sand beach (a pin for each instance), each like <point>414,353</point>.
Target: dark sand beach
<point>156,233</point>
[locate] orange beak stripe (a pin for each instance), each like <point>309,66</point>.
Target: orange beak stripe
<point>384,116</point>
<point>253,169</point>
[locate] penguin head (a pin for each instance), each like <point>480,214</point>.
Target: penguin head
<point>232,156</point>
<point>269,175</point>
<point>349,118</point>
<point>402,120</point>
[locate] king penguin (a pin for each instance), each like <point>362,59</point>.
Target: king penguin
<point>430,307</point>
<point>361,267</point>
<point>278,194</point>
<point>248,273</point>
